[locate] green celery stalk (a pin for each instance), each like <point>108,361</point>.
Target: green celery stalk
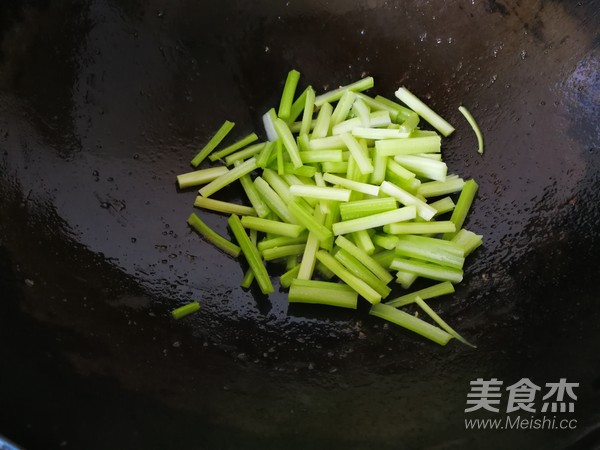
<point>326,143</point>
<point>224,180</point>
<point>367,260</point>
<point>362,160</point>
<point>198,177</point>
<point>273,200</point>
<point>224,207</point>
<point>424,211</point>
<point>318,156</point>
<point>398,171</point>
<point>281,241</point>
<point>365,188</point>
<point>336,94</point>
<point>309,258</point>
<point>322,292</point>
<point>395,147</point>
<point>279,153</point>
<point>443,226</point>
<point>322,193</point>
<point>467,240</point>
<point>272,226</point>
<point>268,118</point>
<point>282,252</point>
<point>302,171</point>
<point>360,271</point>
<point>335,167</point>
<point>378,106</point>
<point>322,122</point>
<point>261,208</point>
<point>287,98</point>
<point>437,319</point>
<point>465,112</point>
<point>262,160</point>
<point>405,279</point>
<point>403,113</point>
<point>213,142</point>
<point>407,97</point>
<point>379,168</point>
<point>297,107</point>
<point>295,127</point>
<point>428,270</point>
<point>377,119</point>
<point>410,123</point>
<point>308,111</point>
<point>324,271</point>
<point>211,236</point>
<point>384,258</point>
<point>443,205</point>
<point>185,310</point>
<point>363,241</point>
<point>286,279</point>
<point>462,206</point>
<point>437,290</point>
<point>289,142</point>
<point>431,250</point>
<point>438,188</point>
<point>234,147</point>
<point>387,241</point>
<point>362,112</point>
<point>364,208</point>
<point>249,275</point>
<point>375,220</point>
<point>379,133</point>
<point>304,218</point>
<point>244,154</point>
<point>342,109</point>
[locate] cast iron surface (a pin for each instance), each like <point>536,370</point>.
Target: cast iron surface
<point>103,102</point>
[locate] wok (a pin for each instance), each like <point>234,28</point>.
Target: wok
<point>103,102</point>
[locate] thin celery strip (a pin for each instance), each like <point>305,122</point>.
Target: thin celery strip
<point>319,156</point>
<point>431,250</point>
<point>330,218</point>
<point>362,160</point>
<point>304,218</point>
<point>211,236</point>
<point>273,201</point>
<point>443,205</point>
<point>335,167</point>
<point>295,127</point>
<point>244,154</point>
<point>279,153</point>
<point>462,206</point>
<point>411,323</point>
<point>362,112</point>
<point>376,119</point>
<point>287,97</point>
<point>428,270</point>
<point>224,180</point>
<point>272,226</point>
<point>375,220</point>
<point>444,226</point>
<point>199,177</point>
<point>379,133</point>
<point>326,143</point>
<point>377,106</point>
<point>395,147</point>
<point>407,97</point>
<point>437,188</point>
<point>224,207</point>
<point>323,293</point>
<point>261,208</point>
<point>363,208</point>
<point>307,115</point>
<point>379,168</point>
<point>410,123</point>
<point>434,156</point>
<point>302,171</point>
<point>268,118</point>
<point>424,211</point>
<point>384,258</point>
<point>405,279</point>
<point>234,147</point>
<point>342,109</point>
<point>322,193</point>
<point>363,241</point>
<point>281,241</point>
<point>422,133</point>
<point>324,271</point>
<point>262,160</point>
<point>360,286</point>
<point>185,310</point>
<point>336,94</point>
<point>437,319</point>
<point>403,112</point>
<point>360,271</point>
<point>249,275</point>
<point>307,265</point>
<point>286,279</point>
<point>297,107</point>
<point>322,122</point>
<point>278,184</point>
<point>252,255</point>
<point>289,142</point>
<point>437,290</point>
<point>291,262</point>
<point>398,171</point>
<point>367,260</point>
<point>467,240</point>
<point>365,188</point>
<point>213,142</point>
<point>292,179</point>
<point>387,241</point>
<point>465,112</point>
<point>282,252</point>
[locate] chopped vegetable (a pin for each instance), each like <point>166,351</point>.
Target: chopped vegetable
<point>198,177</point>
<point>287,98</point>
<point>213,143</point>
<point>404,95</point>
<point>436,290</point>
<point>462,206</point>
<point>465,112</point>
<point>185,310</point>
<point>213,237</point>
<point>322,292</point>
<point>234,147</point>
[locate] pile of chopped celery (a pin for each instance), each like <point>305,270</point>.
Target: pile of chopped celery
<point>351,195</point>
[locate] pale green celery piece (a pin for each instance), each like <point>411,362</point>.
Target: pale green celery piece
<point>342,109</point>
<point>252,255</point>
<point>424,211</point>
<point>379,168</point>
<point>361,287</point>
<point>387,241</point>
<point>363,241</point>
<point>443,205</point>
<point>199,177</point>
<point>411,323</point>
<point>462,206</point>
<point>261,208</point>
<point>234,147</point>
<point>408,98</point>
<point>281,241</point>
<point>352,185</point>
<point>306,219</point>
<point>244,154</point>
<point>367,260</point>
<point>428,270</point>
<point>377,119</point>
<point>303,143</point>
<point>437,290</point>
<point>287,98</point>
<point>326,143</point>
<point>405,279</point>
<point>321,193</point>
<point>335,167</point>
<point>384,258</point>
<point>336,94</point>
<point>468,240</point>
<point>363,208</point>
<point>282,252</point>
<point>410,123</point>
<point>362,160</point>
<point>224,180</point>
<point>224,207</point>
<point>303,171</point>
<point>396,169</point>
<point>437,319</point>
<point>319,156</point>
<point>431,250</point>
<point>296,126</point>
<point>360,271</point>
<point>185,310</point>
<point>465,112</point>
<point>278,184</point>
<point>211,236</point>
<point>423,167</point>
<point>422,133</point>
<point>377,106</point>
<point>379,133</point>
<point>324,271</point>
<point>262,160</point>
<point>285,280</point>
<point>280,161</point>
<point>291,262</point>
<point>297,106</point>
<point>395,147</point>
<point>434,156</point>
<point>438,188</point>
<point>330,218</point>
<point>307,115</point>
<point>272,226</point>
<point>288,140</point>
<point>273,201</point>
<point>323,293</point>
<point>249,275</point>
<point>362,112</point>
<point>443,226</point>
<point>292,179</point>
<point>403,113</point>
<point>409,185</point>
<point>213,143</point>
<point>268,118</point>
<point>307,265</point>
<point>321,128</point>
<point>388,218</point>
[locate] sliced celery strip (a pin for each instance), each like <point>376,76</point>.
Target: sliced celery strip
<point>244,154</point>
<point>363,241</point>
<point>444,226</point>
<point>302,171</point>
<point>379,133</point>
<point>467,240</point>
<point>224,180</point>
<point>281,241</point>
<point>198,177</point>
<point>323,292</point>
<point>437,188</point>
<point>318,156</point>
<point>377,106</point>
<point>261,208</point>
<point>375,220</point>
<point>286,279</point>
<point>428,270</point>
<point>443,205</point>
<point>462,206</point>
<point>268,118</point>
<point>425,211</point>
<point>224,207</point>
<point>336,94</point>
<point>335,167</point>
<point>360,271</point>
<point>362,160</point>
<point>289,142</point>
<point>281,252</point>
<point>287,98</point>
<point>213,142</point>
<point>273,201</point>
<point>342,109</point>
<point>407,97</point>
<point>352,185</point>
<point>405,279</point>
<point>322,193</point>
<point>403,113</point>
<point>379,168</point>
<point>410,123</point>
<point>307,115</point>
<point>211,236</point>
<point>234,147</point>
<point>396,170</point>
<point>322,122</point>
<point>307,265</point>
<point>465,112</point>
<point>432,250</point>
<point>326,143</point>
<point>437,290</point>
<point>304,218</point>
<point>362,112</point>
<point>363,208</point>
<point>437,319</point>
<point>395,147</point>
<point>185,310</point>
<point>384,258</point>
<point>249,275</point>
<point>367,260</point>
<point>376,119</point>
<point>297,107</point>
<point>387,241</point>
<point>279,153</point>
<point>272,226</point>
<point>262,160</point>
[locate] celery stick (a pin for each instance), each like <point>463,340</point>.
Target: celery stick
<point>395,147</point>
<point>252,256</point>
<point>336,94</point>
<point>363,289</point>
<point>292,179</point>
<point>307,265</point>
<point>324,271</point>
<point>289,142</point>
<point>281,241</point>
<point>387,241</point>
<point>326,143</point>
<point>437,319</point>
<point>198,177</point>
<point>302,171</point>
<point>219,183</point>
<point>443,205</point>
<point>384,258</point>
<point>362,161</point>
<point>437,188</point>
<point>410,123</point>
<point>411,323</point>
<point>422,133</point>
<point>420,227</point>
<point>308,111</point>
<point>295,127</point>
<point>405,279</point>
<point>367,260</point>
<point>261,208</point>
<point>434,156</point>
<point>213,142</point>
<point>465,112</point>
<point>398,171</point>
<point>404,95</point>
<point>322,193</point>
<point>185,310</point>
<point>286,279</point>
<point>363,241</point>
<point>379,168</point>
<point>281,252</point>
<point>224,207</point>
<point>330,218</point>
<point>342,109</point>
<point>297,107</point>
<point>360,271</point>
<point>437,290</point>
<point>291,262</point>
<point>273,201</point>
<point>211,236</point>
<point>363,208</point>
<point>403,113</point>
<point>249,275</point>
<point>424,211</point>
<point>362,112</point>
<point>318,156</point>
<point>335,167</point>
<point>322,122</point>
<point>352,185</point>
<point>376,119</point>
<point>234,147</point>
<point>375,220</point>
<point>272,226</point>
<point>467,240</point>
<point>244,154</point>
<point>462,206</point>
<point>278,184</point>
<point>377,106</point>
<point>322,292</point>
<point>308,221</point>
<point>279,153</point>
<point>268,118</point>
<point>287,98</point>
<point>428,270</point>
<point>379,133</point>
<point>431,250</point>
<point>262,160</point>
